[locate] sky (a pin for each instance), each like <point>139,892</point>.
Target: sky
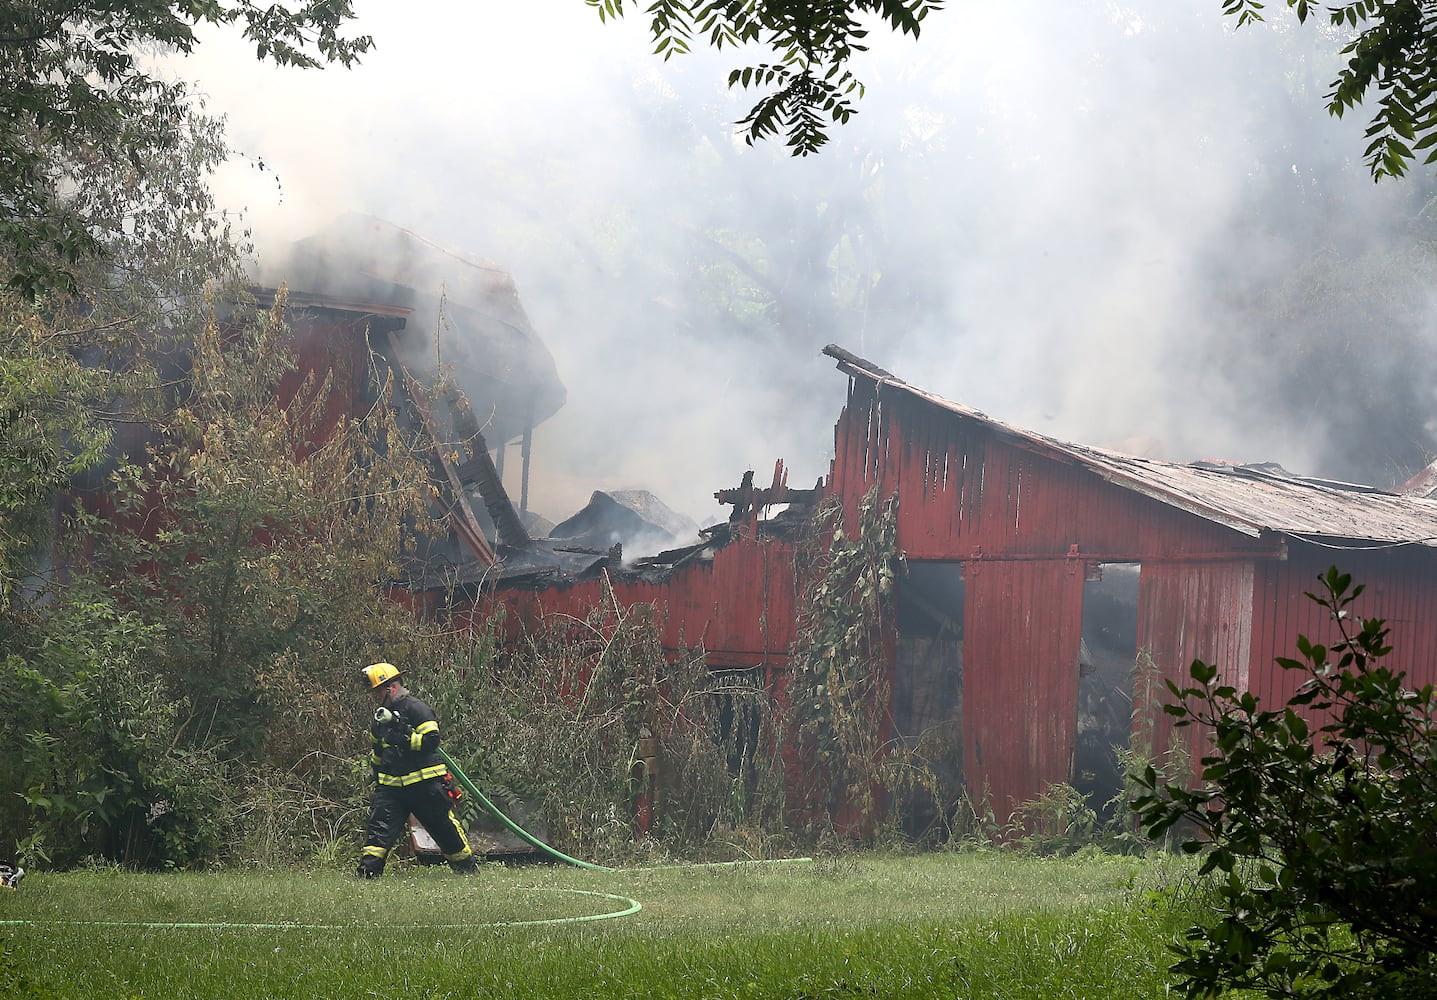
<point>1121,224</point>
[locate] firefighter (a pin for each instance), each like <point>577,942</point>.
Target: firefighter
<point>410,777</point>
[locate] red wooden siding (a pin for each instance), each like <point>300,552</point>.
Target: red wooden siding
<point>964,490</point>
<point>331,344</point>
<point>1016,515</point>
<point>1022,629</point>
<point>1189,611</point>
<point>1400,587</point>
<point>740,607</point>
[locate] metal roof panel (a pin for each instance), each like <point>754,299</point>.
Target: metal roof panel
<point>1248,499</point>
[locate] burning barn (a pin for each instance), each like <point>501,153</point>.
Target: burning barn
<point>1049,589</point>
<point>1050,586</point>
<point>473,374</point>
<point>365,300</point>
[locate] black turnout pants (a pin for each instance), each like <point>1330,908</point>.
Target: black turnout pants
<point>389,812</point>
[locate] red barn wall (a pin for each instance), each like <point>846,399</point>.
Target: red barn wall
<point>1025,525</point>
<point>1400,586</point>
<point>739,607</point>
<point>323,342</point>
<point>330,344</point>
<point>1026,522</point>
<point>1189,611</point>
<point>1022,625</point>
<point>967,492</point>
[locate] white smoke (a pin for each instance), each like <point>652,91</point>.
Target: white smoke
<point>1079,218</point>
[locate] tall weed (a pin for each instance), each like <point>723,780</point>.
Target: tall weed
<point>580,720</point>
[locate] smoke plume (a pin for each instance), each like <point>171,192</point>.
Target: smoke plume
<point>1123,224</point>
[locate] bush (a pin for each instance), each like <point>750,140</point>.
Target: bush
<point>93,765</point>
<point>1322,835</point>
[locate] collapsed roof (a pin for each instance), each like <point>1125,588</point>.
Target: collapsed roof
<point>633,518</point>
<point>462,311</point>
<point>1255,500</point>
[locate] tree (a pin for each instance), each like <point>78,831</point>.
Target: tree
<point>91,760</point>
<point>260,527</point>
<point>1322,834</point>
<point>74,90</point>
<point>1395,52</point>
<point>72,366</point>
<point>48,433</point>
<point>810,79</point>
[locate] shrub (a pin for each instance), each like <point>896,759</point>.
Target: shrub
<point>557,725</point>
<point>1322,835</point>
<point>92,764</point>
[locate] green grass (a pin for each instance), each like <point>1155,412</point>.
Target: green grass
<point>991,925</point>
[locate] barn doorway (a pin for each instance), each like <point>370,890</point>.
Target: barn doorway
<point>1106,661</point>
<point>928,693</point>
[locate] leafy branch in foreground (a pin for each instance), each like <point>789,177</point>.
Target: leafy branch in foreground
<point>1320,819</point>
<point>810,83</point>
<point>1395,52</point>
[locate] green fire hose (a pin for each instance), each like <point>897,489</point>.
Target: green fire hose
<point>493,810</point>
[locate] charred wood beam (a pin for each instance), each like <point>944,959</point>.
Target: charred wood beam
<point>525,451</point>
<point>741,498</point>
<point>481,471</point>
<point>854,361</point>
<point>746,496</point>
<point>461,514</point>
<point>768,498</point>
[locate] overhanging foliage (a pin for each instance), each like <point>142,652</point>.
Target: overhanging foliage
<point>809,83</point>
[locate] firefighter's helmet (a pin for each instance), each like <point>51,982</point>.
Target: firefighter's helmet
<point>379,674</point>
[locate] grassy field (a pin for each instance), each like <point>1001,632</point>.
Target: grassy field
<point>989,925</point>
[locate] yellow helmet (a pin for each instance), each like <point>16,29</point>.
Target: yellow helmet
<point>379,674</point>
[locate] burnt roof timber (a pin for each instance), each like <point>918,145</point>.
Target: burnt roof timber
<point>480,470</point>
<point>466,525</point>
<point>309,300</point>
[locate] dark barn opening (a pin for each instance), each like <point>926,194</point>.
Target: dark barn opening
<point>1105,682</point>
<point>739,698</point>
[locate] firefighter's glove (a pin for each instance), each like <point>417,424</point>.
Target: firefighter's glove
<point>398,734</point>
